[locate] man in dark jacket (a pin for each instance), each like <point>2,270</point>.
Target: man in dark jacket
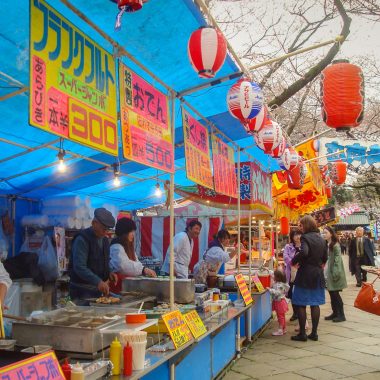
<point>361,252</point>
<point>89,262</point>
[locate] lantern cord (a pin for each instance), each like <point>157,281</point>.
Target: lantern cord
<point>326,155</point>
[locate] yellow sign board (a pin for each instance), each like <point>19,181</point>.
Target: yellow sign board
<point>244,291</point>
<point>177,327</point>
<point>72,82</point>
<point>195,323</point>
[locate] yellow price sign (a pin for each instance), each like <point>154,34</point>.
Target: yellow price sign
<point>258,283</point>
<point>195,324</point>
<point>177,327</point>
<point>245,293</point>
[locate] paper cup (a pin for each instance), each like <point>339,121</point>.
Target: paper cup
<point>138,355</point>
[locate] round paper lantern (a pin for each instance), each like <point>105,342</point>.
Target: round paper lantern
<point>328,190</point>
<point>207,50</point>
<point>315,145</point>
<point>280,163</point>
<point>255,124</point>
<point>296,177</point>
<point>245,100</point>
<point>130,5</point>
<point>290,158</point>
<point>284,226</point>
<point>279,151</point>
<point>269,137</point>
<point>338,172</point>
<point>342,95</point>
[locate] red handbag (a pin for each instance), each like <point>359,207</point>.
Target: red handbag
<point>368,299</point>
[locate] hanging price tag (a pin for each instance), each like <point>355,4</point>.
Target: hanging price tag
<point>245,293</point>
<point>177,327</point>
<point>195,324</point>
<point>258,283</point>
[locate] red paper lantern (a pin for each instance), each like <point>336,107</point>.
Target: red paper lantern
<point>131,5</point>
<point>255,124</point>
<point>284,226</point>
<point>290,158</point>
<point>328,191</point>
<point>207,50</point>
<point>279,151</point>
<point>338,172</point>
<point>342,95</point>
<point>296,177</point>
<point>269,137</point>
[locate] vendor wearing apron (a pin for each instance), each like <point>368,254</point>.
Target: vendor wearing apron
<point>183,250</point>
<point>89,262</point>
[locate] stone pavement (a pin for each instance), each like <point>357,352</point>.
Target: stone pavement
<point>346,350</point>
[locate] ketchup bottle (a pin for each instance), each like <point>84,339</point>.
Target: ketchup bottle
<point>66,369</point>
<point>127,355</point>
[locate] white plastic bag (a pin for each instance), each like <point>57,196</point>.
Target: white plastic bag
<point>47,260</point>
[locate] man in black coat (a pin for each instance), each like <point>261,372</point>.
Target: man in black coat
<point>361,252</point>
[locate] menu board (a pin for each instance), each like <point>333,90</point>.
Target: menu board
<point>177,327</point>
<point>197,151</point>
<point>244,291</point>
<point>224,168</point>
<point>43,366</point>
<point>195,323</point>
<point>72,82</point>
<point>145,122</point>
<point>324,216</point>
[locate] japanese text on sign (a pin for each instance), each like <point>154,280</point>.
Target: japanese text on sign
<point>177,327</point>
<point>195,324</point>
<point>197,151</point>
<point>145,122</point>
<point>325,216</point>
<point>244,291</point>
<point>224,168</point>
<point>67,66</point>
<point>41,367</point>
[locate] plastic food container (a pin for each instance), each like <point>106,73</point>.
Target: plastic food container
<point>135,318</point>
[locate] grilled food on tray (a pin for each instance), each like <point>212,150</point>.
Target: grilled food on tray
<point>107,300</point>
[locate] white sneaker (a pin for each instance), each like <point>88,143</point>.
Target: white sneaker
<point>278,332</point>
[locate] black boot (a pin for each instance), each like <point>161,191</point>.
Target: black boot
<point>330,317</point>
<point>340,313</point>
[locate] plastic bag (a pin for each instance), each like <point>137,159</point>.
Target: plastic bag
<point>47,260</point>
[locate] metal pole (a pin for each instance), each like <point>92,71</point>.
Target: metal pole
<point>172,371</point>
<point>249,314</point>
<point>238,200</point>
<point>260,245</point>
<point>272,241</point>
<point>171,198</point>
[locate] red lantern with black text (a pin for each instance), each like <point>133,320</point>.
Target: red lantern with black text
<point>342,95</point>
<point>338,172</point>
<point>207,50</point>
<point>284,226</point>
<point>296,177</point>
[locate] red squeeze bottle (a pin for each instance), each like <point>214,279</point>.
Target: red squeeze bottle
<point>66,369</point>
<point>127,354</point>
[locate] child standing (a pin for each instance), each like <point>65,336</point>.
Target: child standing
<point>279,302</point>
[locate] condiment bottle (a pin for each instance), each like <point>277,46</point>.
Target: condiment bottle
<point>66,369</point>
<point>115,356</point>
<point>127,355</point>
<point>77,372</point>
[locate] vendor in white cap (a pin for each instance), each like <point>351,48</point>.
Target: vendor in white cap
<point>5,283</point>
<point>89,263</point>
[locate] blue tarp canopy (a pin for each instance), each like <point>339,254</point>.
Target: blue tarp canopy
<point>157,37</point>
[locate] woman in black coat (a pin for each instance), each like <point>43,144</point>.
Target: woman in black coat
<point>309,284</point>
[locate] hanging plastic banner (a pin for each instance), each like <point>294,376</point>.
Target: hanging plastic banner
<point>224,167</point>
<point>72,82</point>
<point>145,122</point>
<point>197,151</point>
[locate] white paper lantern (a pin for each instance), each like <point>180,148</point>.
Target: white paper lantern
<point>290,158</point>
<point>269,137</point>
<point>279,151</point>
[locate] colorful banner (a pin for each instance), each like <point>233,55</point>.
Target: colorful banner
<point>195,324</point>
<point>258,283</point>
<point>244,291</point>
<point>197,151</point>
<point>358,152</point>
<point>72,80</point>
<point>224,168</point>
<point>145,122</point>
<point>43,366</point>
<point>177,327</point>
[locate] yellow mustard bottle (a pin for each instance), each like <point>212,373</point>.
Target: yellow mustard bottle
<point>115,356</point>
<point>77,372</point>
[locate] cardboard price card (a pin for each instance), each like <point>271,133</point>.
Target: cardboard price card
<point>195,324</point>
<point>177,327</point>
<point>258,283</point>
<point>43,366</point>
<point>245,293</point>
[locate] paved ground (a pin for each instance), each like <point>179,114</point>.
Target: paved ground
<point>347,350</point>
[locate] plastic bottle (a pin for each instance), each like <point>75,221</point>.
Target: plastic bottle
<point>66,369</point>
<point>77,372</point>
<point>115,356</point>
<point>127,355</point>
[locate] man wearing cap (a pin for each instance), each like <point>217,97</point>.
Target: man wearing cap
<point>89,264</point>
<point>183,249</point>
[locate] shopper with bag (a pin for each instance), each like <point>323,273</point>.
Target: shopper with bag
<point>336,277</point>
